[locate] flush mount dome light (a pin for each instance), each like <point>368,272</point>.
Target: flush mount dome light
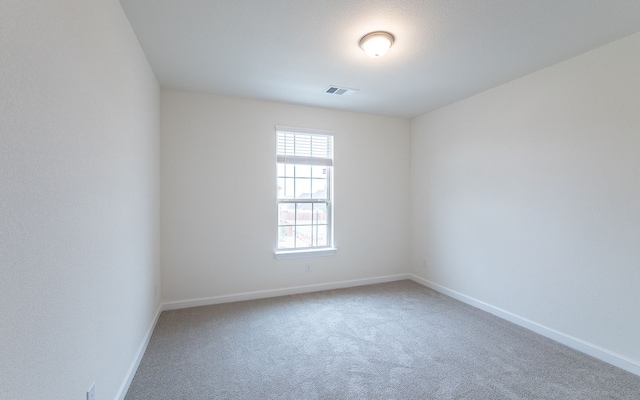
<point>376,44</point>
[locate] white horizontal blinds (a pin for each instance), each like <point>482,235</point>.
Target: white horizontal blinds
<point>304,147</point>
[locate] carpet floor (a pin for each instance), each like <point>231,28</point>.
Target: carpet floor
<point>395,340</point>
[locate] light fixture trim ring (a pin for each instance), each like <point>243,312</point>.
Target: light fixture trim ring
<point>373,35</point>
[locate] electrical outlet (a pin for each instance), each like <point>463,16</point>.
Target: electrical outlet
<point>91,394</point>
<point>424,263</point>
<point>308,267</point>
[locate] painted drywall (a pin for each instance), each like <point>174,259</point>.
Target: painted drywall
<point>218,196</point>
<point>527,197</point>
<point>79,215</point>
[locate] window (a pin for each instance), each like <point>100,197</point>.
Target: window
<point>304,159</point>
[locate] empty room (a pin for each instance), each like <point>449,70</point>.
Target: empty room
<point>287,199</point>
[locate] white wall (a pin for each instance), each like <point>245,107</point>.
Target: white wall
<point>79,215</point>
<point>218,196</point>
<point>527,197</point>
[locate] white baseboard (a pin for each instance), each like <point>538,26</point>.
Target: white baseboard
<point>122,392</point>
<point>263,294</point>
<point>573,342</point>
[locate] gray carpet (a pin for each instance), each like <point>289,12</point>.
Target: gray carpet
<point>396,340</point>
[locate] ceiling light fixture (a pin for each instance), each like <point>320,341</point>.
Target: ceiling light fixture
<point>376,44</point>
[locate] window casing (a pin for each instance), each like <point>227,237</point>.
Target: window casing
<point>304,159</point>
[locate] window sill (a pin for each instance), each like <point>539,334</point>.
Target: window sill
<point>285,255</point>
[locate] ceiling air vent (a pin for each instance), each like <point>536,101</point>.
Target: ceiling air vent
<point>341,91</point>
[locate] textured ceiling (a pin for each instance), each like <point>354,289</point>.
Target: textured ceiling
<point>292,50</point>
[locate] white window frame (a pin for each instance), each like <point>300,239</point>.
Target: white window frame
<point>329,249</point>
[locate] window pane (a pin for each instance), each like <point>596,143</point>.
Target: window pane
<point>303,236</point>
<point>288,170</point>
<point>303,214</point>
<point>286,214</point>
<point>319,213</point>
<point>288,188</point>
<point>318,171</point>
<point>303,171</point>
<point>285,170</point>
<point>303,188</point>
<point>286,237</point>
<point>285,188</point>
<point>320,235</point>
<point>318,188</point>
